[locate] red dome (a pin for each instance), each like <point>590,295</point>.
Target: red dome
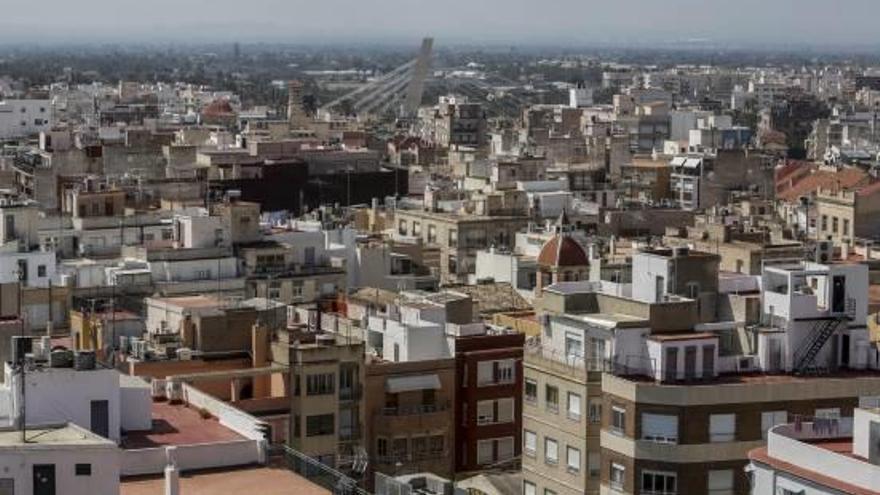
<point>562,250</point>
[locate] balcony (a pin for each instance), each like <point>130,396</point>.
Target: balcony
<point>352,393</point>
<point>349,433</point>
<point>412,410</point>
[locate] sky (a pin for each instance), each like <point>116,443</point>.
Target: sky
<point>523,22</point>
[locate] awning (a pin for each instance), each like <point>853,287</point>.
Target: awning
<point>412,383</point>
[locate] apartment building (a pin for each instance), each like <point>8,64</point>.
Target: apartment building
<point>822,457</point>
<point>660,272</point>
<point>410,417</point>
<point>292,273</point>
<point>419,327</point>
<point>327,414</point>
<point>842,215</point>
<point>458,236</point>
<point>673,405</point>
<point>488,406</point>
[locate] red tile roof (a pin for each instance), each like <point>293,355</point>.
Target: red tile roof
<point>796,185</point>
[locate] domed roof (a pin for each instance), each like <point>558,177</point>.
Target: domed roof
<point>562,250</point>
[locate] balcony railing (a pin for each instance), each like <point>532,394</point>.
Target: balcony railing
<point>351,393</point>
<point>349,433</point>
<point>411,410</point>
<point>334,481</point>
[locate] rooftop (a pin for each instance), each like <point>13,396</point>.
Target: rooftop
<point>177,424</point>
<point>57,435</point>
<point>270,480</point>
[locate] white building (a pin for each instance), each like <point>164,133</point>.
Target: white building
<point>99,399</point>
<point>58,459</point>
<point>421,326</point>
<point>821,311</point>
<point>22,118</point>
<point>820,456</point>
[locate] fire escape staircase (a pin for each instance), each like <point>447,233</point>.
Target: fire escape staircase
<point>823,329</point>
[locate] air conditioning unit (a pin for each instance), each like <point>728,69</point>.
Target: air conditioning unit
<point>747,363</point>
<point>823,251</point>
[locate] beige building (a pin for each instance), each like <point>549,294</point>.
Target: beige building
<point>327,374</point>
<point>846,214</point>
<point>273,273</point>
<point>458,236</point>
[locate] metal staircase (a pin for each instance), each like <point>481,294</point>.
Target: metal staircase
<point>805,357</point>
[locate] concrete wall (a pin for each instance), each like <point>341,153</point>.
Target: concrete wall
<point>18,464</point>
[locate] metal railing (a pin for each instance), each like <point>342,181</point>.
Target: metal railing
<point>415,409</point>
<point>325,476</point>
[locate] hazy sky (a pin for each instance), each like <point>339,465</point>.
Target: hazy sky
<point>814,22</point>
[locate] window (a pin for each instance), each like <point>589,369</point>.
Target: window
<point>658,483</point>
<point>495,450</point>
<point>531,391</point>
<point>660,428</point>
<point>485,451</point>
<point>529,488</point>
<point>495,372</point>
<point>453,238</point>
<point>83,469</point>
<point>574,406</point>
<point>321,384</point>
<point>828,413</point>
<point>319,425</point>
<point>869,401</point>
<point>595,406</point>
<point>400,448</point>
<point>824,223</point>
<point>504,447</point>
<point>573,459</point>
<point>551,397</point>
<point>504,371</point>
<point>845,226</point>
<point>551,451</point>
<point>382,447</point>
<point>594,464</point>
<point>416,229</point>
<point>432,233</point>
<point>720,482</point>
<point>41,270</point>
<point>548,491</point>
<point>618,419</point>
<point>618,473</point>
<point>722,427</point>
<point>834,224</point>
<point>574,348</point>
<point>530,443</point>
<point>769,419</point>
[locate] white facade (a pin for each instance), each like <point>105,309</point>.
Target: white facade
<point>22,118</point>
<point>62,395</point>
<point>796,297</point>
<point>70,459</point>
<point>794,463</point>
<point>201,231</point>
<point>35,268</point>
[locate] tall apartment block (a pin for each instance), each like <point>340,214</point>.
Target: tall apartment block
<point>631,396</point>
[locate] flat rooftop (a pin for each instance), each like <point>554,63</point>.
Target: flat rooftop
<point>760,378</point>
<point>177,424</point>
<point>263,480</point>
<point>70,435</point>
